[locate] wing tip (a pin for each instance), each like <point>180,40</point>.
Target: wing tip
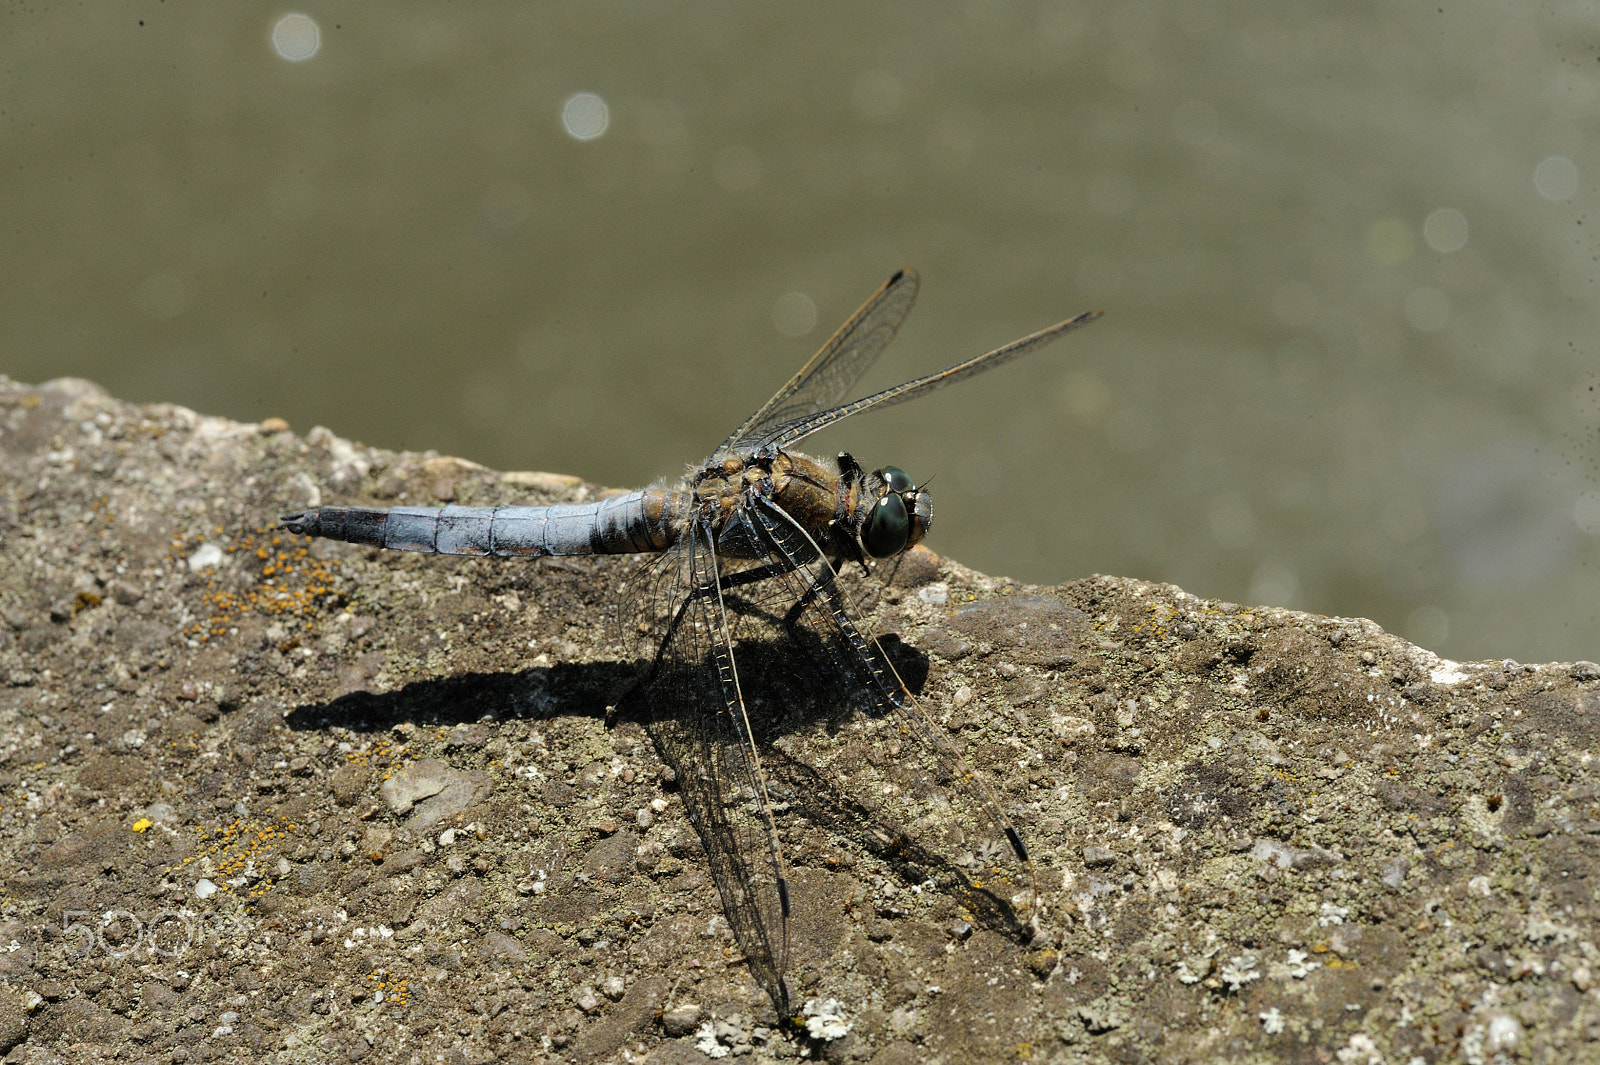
<point>1082,318</point>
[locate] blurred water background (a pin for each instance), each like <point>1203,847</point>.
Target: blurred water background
<point>1346,252</point>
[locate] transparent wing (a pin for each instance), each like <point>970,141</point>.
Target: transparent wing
<point>766,695</point>
<point>832,372</point>
<point>786,432</point>
<point>696,715</point>
<point>909,789</point>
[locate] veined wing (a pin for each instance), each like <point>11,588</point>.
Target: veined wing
<point>784,433</point>
<point>697,718</point>
<point>832,372</point>
<point>926,803</point>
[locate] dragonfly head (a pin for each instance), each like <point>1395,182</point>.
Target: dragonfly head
<point>900,516</point>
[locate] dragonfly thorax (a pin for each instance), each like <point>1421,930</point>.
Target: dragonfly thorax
<point>847,512</point>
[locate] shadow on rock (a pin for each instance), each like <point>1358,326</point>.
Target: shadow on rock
<point>562,690</point>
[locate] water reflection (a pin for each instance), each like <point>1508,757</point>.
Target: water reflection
<point>532,213</point>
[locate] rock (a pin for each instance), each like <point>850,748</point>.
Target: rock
<point>1232,812</point>
<point>630,1016</point>
<point>13,1018</point>
<point>347,783</point>
<point>375,842</point>
<point>414,783</point>
<point>681,1020</point>
<point>432,791</point>
<point>401,862</point>
<point>497,944</point>
<point>466,737</point>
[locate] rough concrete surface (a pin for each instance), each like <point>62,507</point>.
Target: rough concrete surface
<point>270,799</point>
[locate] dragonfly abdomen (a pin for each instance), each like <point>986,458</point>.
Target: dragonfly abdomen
<point>626,524</point>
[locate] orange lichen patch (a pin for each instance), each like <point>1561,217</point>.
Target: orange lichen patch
<point>267,573</point>
<point>387,987</point>
<point>1157,624</point>
<point>236,855</point>
<point>387,758</point>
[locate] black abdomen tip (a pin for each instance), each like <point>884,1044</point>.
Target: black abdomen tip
<point>1016,845</point>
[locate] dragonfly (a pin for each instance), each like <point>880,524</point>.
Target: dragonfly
<point>748,551</point>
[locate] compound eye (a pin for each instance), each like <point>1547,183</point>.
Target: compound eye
<point>896,478</point>
<point>888,527</point>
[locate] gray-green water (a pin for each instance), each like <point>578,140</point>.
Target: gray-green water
<point>1346,252</point>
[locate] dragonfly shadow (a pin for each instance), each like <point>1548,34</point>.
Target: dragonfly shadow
<point>806,686</point>
<point>561,690</point>
<point>586,689</point>
<point>791,693</point>
<point>819,800</point>
<point>810,700</point>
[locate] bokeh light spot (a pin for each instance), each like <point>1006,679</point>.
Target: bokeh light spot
<point>296,37</point>
<point>1556,178</point>
<point>585,116</point>
<point>794,314</point>
<point>1273,584</point>
<point>1445,230</point>
<point>1428,627</point>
